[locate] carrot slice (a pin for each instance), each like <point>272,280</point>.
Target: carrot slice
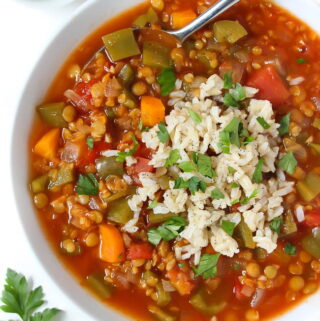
<point>179,19</point>
<point>111,244</point>
<point>152,111</point>
<point>47,145</point>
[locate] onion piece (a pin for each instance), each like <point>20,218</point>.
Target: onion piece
<point>112,88</point>
<point>300,213</point>
<point>75,98</point>
<point>316,101</point>
<point>167,286</point>
<point>257,298</point>
<point>296,81</point>
<point>247,291</point>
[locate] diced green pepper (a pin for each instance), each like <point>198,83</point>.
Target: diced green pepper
<point>40,184</point>
<point>155,55</point>
<point>160,315</point>
<point>311,243</point>
<point>244,234</point>
<point>121,44</point>
<point>107,166</point>
<point>65,176</point>
<point>120,212</point>
<point>126,75</point>
<point>316,148</point>
<point>198,301</point>
<point>149,17</point>
<point>99,286</point>
<point>159,218</point>
<point>52,114</point>
<point>309,188</point>
<point>289,224</point>
<point>316,123</point>
<point>163,297</point>
<point>228,31</point>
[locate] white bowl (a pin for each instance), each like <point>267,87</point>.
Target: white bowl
<point>83,22</point>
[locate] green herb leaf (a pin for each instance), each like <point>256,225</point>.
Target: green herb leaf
<point>180,183</point>
<point>154,236</point>
<point>247,199</point>
<point>228,82</point>
<point>301,61</point>
<point>290,249</point>
<point>187,167</point>
<point>230,134</point>
<point>173,158</point>
<point>236,267</point>
<point>263,123</point>
<point>229,100</point>
<point>257,175</point>
<point>195,116</point>
<point>288,163</point>
<point>217,194</point>
<point>238,93</point>
<point>196,184</point>
<point>152,205</point>
<point>248,140</point>
<point>181,265</point>
<point>90,142</point>
<point>122,155</point>
<point>87,185</point>
<point>284,124</point>
<point>163,134</point>
<point>276,224</point>
<point>204,164</point>
<point>167,81</point>
<point>234,185</point>
<point>207,267</point>
<point>228,227</point>
<point>20,299</point>
<point>140,126</point>
<point>231,170</point>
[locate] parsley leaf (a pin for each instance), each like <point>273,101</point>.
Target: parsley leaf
<point>163,134</point>
<point>122,155</point>
<point>249,198</point>
<point>229,100</point>
<point>207,267</point>
<point>231,170</point>
<point>195,116</point>
<point>196,184</point>
<point>19,299</point>
<point>187,167</point>
<point>167,231</point>
<point>284,124</point>
<point>257,174</point>
<point>230,135</point>
<point>152,205</point>
<point>140,126</point>
<point>87,185</point>
<point>228,227</point>
<point>238,93</point>
<point>217,194</point>
<point>263,122</point>
<point>301,61</point>
<point>288,163</point>
<point>290,249</point>
<point>228,82</point>
<point>167,81</point>
<point>234,185</point>
<point>90,142</point>
<point>173,158</point>
<point>276,224</point>
<point>204,164</point>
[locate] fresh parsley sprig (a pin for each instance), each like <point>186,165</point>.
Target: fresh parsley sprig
<point>167,81</point>
<point>19,298</point>
<point>207,267</point>
<point>194,184</point>
<point>87,185</point>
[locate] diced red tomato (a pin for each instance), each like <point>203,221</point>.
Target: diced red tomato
<point>83,89</point>
<point>89,156</point>
<point>142,165</point>
<point>237,290</point>
<point>312,218</point>
<point>271,86</point>
<point>143,151</point>
<point>181,280</point>
<point>138,251</point>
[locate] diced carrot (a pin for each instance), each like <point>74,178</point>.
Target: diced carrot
<point>111,244</point>
<point>181,280</point>
<point>179,19</point>
<point>138,251</point>
<point>47,145</point>
<point>152,111</point>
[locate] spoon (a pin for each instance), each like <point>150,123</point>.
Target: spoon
<point>177,37</point>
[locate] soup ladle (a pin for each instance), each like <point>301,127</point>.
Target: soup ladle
<point>175,38</point>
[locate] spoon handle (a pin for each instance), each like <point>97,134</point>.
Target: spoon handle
<point>215,10</point>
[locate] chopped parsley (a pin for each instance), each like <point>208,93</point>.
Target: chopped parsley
<point>248,140</point>
<point>163,134</point>
<point>231,170</point>
<point>234,185</point>
<point>152,205</point>
<point>228,227</point>
<point>87,185</point>
<point>229,100</point>
<point>257,174</point>
<point>217,194</point>
<point>122,155</point>
<point>288,163</point>
<point>207,267</point>
<point>140,126</point>
<point>204,164</point>
<point>276,224</point>
<point>284,124</point>
<point>90,142</point>
<point>167,81</point>
<point>235,95</point>
<point>290,249</point>
<point>249,198</point>
<point>263,122</point>
<point>301,61</point>
<point>167,231</point>
<point>195,116</point>
<point>187,167</point>
<point>228,82</point>
<point>173,158</point>
<point>194,184</point>
<point>236,267</point>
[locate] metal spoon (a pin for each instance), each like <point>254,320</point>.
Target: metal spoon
<point>179,36</point>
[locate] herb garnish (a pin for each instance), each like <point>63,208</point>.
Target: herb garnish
<point>290,249</point>
<point>217,194</point>
<point>195,116</point>
<point>228,227</point>
<point>228,82</point>
<point>207,267</point>
<point>276,224</point>
<point>173,158</point>
<point>167,81</point>
<point>90,142</point>
<point>257,175</point>
<point>288,163</point>
<point>194,184</point>
<point>187,167</point>
<point>204,164</point>
<point>263,123</point>
<point>152,205</point>
<point>87,185</point>
<point>122,155</point>
<point>163,134</point>
<point>284,124</point>
<point>301,61</point>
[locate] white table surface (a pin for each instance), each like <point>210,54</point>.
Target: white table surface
<point>25,29</point>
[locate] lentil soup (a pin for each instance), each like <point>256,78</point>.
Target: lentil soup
<point>184,181</point>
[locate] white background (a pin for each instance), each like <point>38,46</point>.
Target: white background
<point>25,29</point>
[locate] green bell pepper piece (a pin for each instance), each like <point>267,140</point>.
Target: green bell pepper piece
<point>65,176</point>
<point>126,75</point>
<point>244,234</point>
<point>228,31</point>
<point>39,184</point>
<point>52,114</point>
<point>311,243</point>
<point>99,286</point>
<point>309,188</point>
<point>120,212</point>
<point>155,55</point>
<point>107,166</point>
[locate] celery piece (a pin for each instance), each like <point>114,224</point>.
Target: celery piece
<point>289,224</point>
<point>228,31</point>
<point>126,75</point>
<point>310,187</point>
<point>65,176</point>
<point>243,232</point>
<point>311,243</point>
<point>155,55</point>
<point>119,211</point>
<point>39,184</point>
<point>97,283</point>
<point>199,302</point>
<point>121,44</point>
<point>149,17</point>
<point>163,298</point>
<point>52,114</point>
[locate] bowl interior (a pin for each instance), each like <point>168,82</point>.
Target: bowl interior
<point>83,22</point>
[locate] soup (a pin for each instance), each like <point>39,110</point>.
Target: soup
<point>184,180</point>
